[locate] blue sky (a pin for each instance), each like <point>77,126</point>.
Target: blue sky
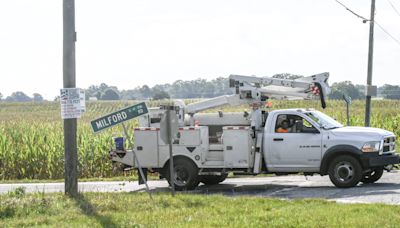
<point>128,43</point>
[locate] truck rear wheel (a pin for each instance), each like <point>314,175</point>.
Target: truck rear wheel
<point>345,171</point>
<point>185,174</point>
<point>373,176</point>
<point>213,179</point>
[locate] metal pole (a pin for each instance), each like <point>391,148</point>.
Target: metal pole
<point>171,160</point>
<point>370,64</point>
<point>137,160</point>
<point>348,114</point>
<point>70,125</point>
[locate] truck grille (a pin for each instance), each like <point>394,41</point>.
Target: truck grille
<point>389,144</point>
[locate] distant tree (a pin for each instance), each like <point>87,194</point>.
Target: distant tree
<point>18,97</point>
<point>390,91</point>
<point>92,91</point>
<point>159,95</point>
<point>103,87</point>
<point>145,91</point>
<point>209,90</point>
<point>221,86</point>
<point>198,88</point>
<point>37,97</point>
<point>361,89</point>
<point>127,95</point>
<point>345,87</point>
<point>1,96</point>
<point>99,91</point>
<point>287,76</point>
<point>109,94</point>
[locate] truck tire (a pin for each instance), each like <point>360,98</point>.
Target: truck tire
<point>213,179</point>
<point>185,174</point>
<point>345,171</point>
<point>372,177</point>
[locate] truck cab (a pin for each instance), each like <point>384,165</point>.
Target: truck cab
<point>316,143</point>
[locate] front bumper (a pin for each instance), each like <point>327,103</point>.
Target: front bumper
<point>375,160</point>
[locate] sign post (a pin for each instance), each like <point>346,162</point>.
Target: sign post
<point>347,99</point>
<point>135,158</point>
<point>171,157</point>
<point>168,131</point>
<point>119,117</point>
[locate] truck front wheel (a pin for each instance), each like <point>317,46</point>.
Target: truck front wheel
<point>373,176</point>
<point>345,171</point>
<point>185,174</point>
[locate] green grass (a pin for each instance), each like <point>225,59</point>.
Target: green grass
<point>136,209</point>
<point>117,178</point>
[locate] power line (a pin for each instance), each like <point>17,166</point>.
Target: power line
<point>351,11</point>
<point>387,33</point>
<point>375,22</point>
<point>394,8</point>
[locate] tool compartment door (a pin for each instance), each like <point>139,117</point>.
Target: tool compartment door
<point>146,147</point>
<point>237,147</point>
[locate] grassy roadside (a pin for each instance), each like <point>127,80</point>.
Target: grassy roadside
<point>118,178</point>
<point>135,209</point>
<point>32,181</point>
<point>132,177</point>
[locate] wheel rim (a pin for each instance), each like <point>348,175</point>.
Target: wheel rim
<point>372,174</point>
<point>344,171</point>
<point>181,176</point>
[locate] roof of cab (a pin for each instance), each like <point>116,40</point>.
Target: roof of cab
<point>293,110</point>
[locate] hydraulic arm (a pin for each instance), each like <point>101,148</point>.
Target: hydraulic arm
<point>251,89</point>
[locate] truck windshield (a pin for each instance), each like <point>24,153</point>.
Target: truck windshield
<point>323,120</point>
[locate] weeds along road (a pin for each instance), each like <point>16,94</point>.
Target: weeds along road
<point>386,190</point>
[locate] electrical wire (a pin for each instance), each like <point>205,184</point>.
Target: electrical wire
<point>387,33</point>
<point>351,11</point>
<point>394,8</point>
<point>375,22</point>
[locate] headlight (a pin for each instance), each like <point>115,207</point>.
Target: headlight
<point>371,146</point>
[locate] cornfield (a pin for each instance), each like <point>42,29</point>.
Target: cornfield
<point>31,134</point>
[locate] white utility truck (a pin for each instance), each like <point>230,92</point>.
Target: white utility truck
<point>208,146</point>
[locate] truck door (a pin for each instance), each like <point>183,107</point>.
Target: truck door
<point>294,144</point>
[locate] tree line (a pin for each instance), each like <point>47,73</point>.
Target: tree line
<point>201,88</point>
<point>22,97</point>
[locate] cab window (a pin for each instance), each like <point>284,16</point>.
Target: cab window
<point>293,124</point>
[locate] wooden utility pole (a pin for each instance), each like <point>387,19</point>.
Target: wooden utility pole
<point>70,125</point>
<point>370,65</point>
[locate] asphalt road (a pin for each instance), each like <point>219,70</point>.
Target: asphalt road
<point>386,190</point>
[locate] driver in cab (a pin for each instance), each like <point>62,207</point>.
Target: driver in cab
<point>283,127</point>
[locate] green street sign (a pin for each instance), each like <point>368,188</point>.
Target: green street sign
<point>118,117</point>
<point>347,99</point>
